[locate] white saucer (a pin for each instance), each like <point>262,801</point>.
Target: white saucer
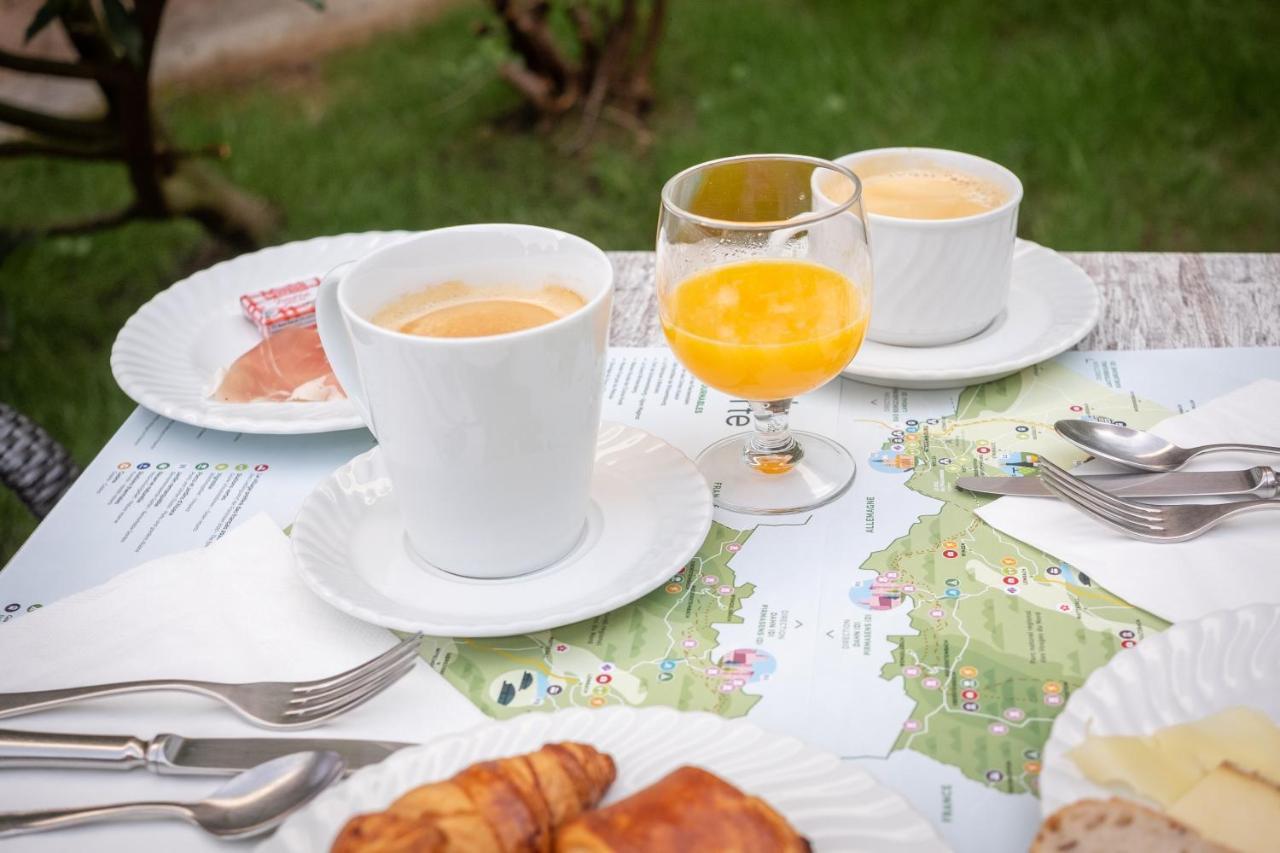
<point>1226,659</point>
<point>1053,304</point>
<point>167,355</point>
<point>650,512</point>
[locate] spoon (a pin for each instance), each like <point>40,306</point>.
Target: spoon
<point>1138,449</point>
<point>250,803</point>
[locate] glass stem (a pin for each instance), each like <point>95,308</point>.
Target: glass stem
<point>772,449</point>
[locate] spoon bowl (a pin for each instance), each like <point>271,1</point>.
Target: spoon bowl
<point>1138,449</point>
<point>261,797</point>
<point>1128,446</point>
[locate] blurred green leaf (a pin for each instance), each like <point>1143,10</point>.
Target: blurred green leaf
<point>318,5</point>
<point>124,29</point>
<point>45,16</point>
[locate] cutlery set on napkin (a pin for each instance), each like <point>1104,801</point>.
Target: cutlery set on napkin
<point>225,618</point>
<point>1106,523</point>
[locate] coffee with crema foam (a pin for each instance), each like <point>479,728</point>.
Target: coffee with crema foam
<point>925,192</point>
<point>458,310</point>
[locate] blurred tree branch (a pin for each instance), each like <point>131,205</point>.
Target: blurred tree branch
<point>114,41</point>
<point>27,147</point>
<point>52,125</point>
<point>596,62</point>
<point>52,67</point>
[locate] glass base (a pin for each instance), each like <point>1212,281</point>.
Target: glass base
<point>823,473</point>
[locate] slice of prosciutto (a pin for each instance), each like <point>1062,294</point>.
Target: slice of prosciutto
<point>288,366</point>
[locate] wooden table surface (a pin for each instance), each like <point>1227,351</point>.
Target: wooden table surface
<point>1150,300</point>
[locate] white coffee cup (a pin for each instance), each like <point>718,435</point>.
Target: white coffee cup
<point>938,281</point>
<point>489,441</point>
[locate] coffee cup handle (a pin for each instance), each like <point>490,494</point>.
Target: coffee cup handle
<point>779,238</point>
<point>336,339</point>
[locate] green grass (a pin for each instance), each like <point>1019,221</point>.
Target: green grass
<point>1139,126</point>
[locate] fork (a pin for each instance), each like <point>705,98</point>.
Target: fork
<point>270,704</point>
<point>1141,520</point>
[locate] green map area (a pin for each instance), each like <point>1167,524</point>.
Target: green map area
<point>661,650</point>
<point>1003,633</point>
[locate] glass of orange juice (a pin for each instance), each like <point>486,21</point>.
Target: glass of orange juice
<point>764,296</point>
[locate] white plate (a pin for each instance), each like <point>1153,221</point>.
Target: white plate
<point>835,804</point>
<point>1053,304</point>
<point>650,512</point>
<point>168,353</point>
<point>1192,670</point>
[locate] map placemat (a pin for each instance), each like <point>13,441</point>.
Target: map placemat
<point>892,627</point>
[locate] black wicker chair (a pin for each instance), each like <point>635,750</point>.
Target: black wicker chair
<point>32,463</point>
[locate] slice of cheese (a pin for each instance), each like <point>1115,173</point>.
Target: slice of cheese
<point>1235,808</point>
<point>1165,765</point>
<point>1137,763</point>
<point>1243,736</point>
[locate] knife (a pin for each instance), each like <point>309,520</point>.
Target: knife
<point>168,754</point>
<point>1260,481</point>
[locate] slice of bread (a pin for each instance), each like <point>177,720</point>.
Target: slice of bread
<point>1110,826</point>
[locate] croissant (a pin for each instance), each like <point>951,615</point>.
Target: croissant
<point>385,832</point>
<point>511,805</point>
<point>687,810</point>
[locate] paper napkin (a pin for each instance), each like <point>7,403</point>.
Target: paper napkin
<point>1230,566</point>
<point>235,611</point>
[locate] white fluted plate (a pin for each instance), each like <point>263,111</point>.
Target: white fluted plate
<point>1190,671</point>
<point>1052,305</point>
<point>836,805</point>
<point>167,355</point>
<point>650,512</point>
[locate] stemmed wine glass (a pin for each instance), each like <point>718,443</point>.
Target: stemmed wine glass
<point>764,289</point>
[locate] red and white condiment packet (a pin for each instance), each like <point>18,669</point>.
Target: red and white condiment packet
<point>277,308</point>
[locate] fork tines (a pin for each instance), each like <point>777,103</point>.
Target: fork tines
<point>1135,518</point>
<point>326,698</point>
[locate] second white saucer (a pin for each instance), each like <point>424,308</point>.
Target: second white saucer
<point>650,512</point>
<point>1052,305</point>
